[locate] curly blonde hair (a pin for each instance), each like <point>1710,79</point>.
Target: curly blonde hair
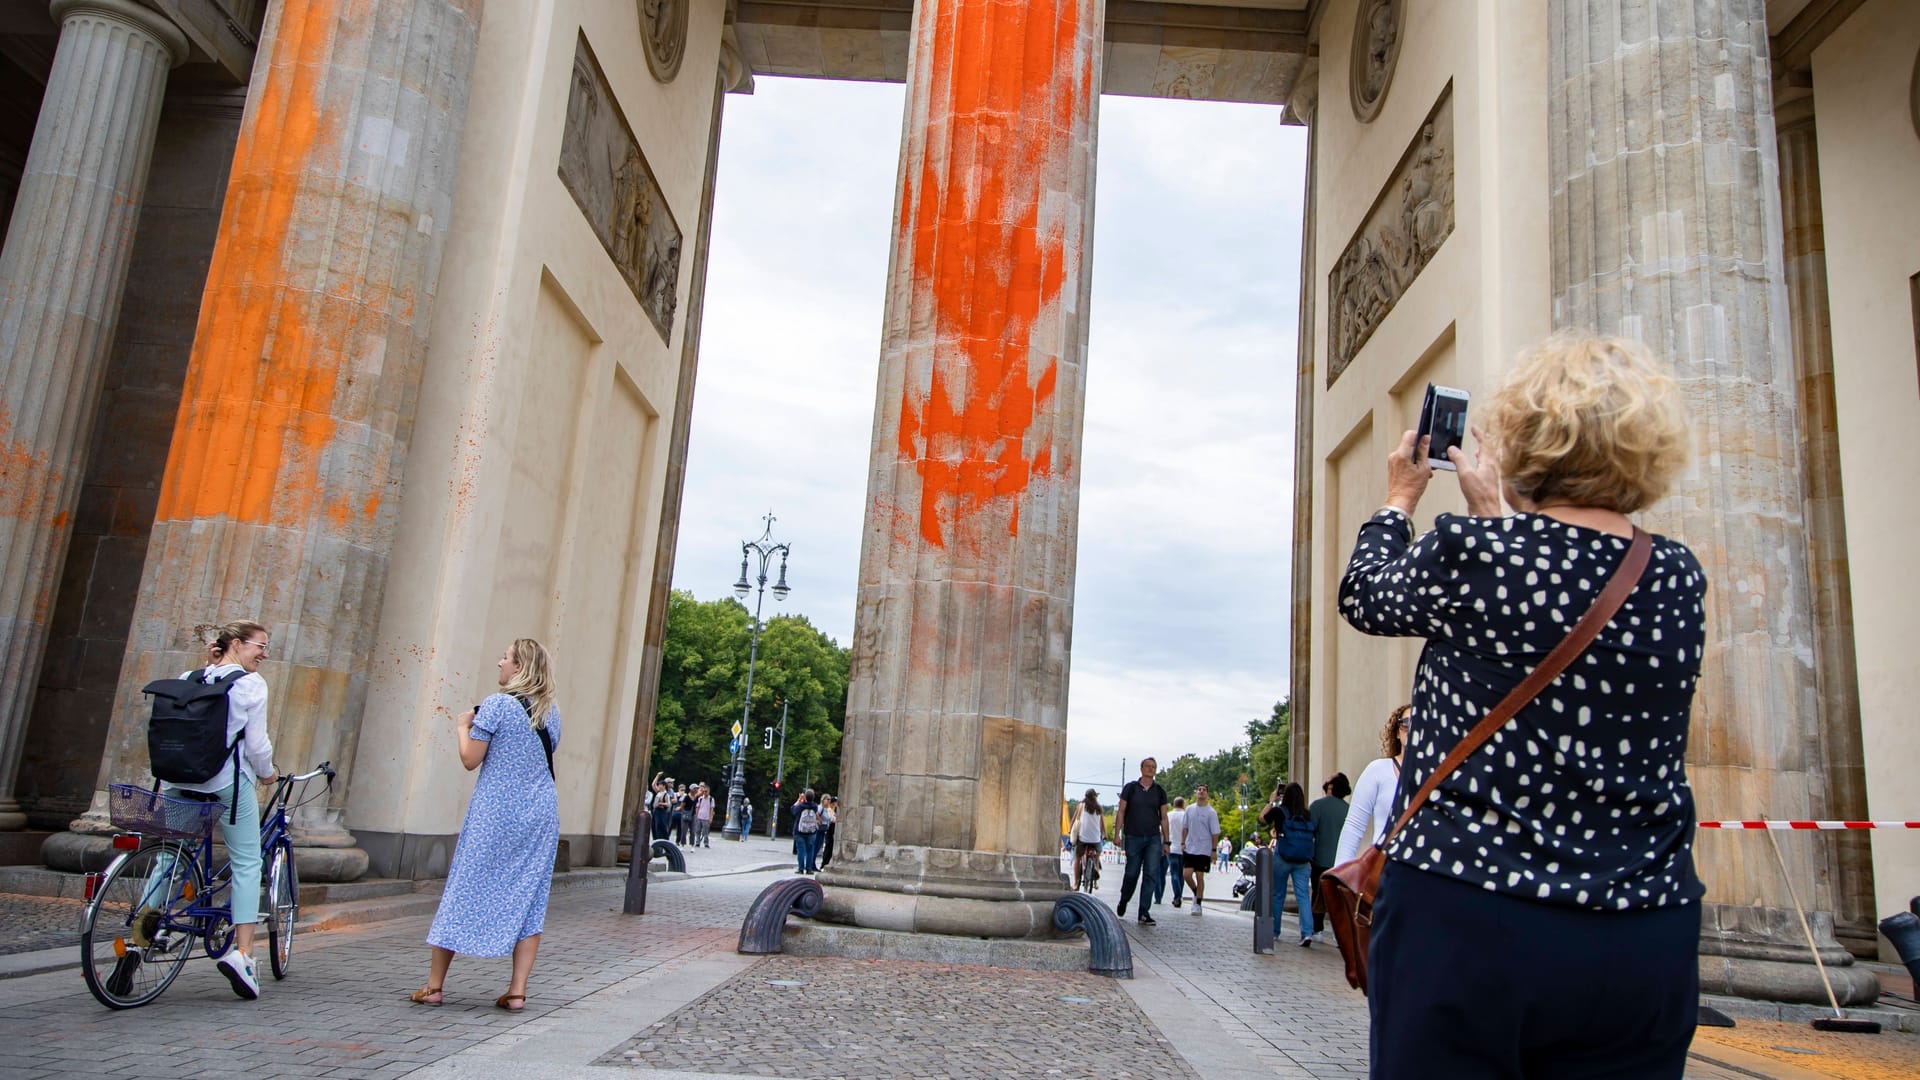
<point>1589,420</point>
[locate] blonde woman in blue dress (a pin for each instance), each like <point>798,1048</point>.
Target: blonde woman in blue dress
<point>495,902</point>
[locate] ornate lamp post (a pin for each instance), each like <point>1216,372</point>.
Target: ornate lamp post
<point>764,549</point>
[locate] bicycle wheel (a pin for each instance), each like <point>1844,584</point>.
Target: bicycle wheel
<point>283,907</point>
<point>135,939</point>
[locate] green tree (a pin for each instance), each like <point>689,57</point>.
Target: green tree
<point>1272,751</point>
<point>702,686</point>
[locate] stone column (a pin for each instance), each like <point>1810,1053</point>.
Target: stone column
<point>1845,885</point>
<point>1303,107</point>
<point>62,271</point>
<point>281,488</point>
<point>1666,226</point>
<point>953,759</point>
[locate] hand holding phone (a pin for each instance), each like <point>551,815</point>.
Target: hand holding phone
<point>1443,425</point>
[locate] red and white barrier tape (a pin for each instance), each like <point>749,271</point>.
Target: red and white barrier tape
<point>1810,824</point>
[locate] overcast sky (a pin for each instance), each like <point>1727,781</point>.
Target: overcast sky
<point>1180,622</point>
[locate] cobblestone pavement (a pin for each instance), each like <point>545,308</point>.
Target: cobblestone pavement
<point>669,988</point>
<point>38,922</point>
<point>821,1017</point>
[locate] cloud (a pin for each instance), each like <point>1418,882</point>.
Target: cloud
<point>1181,599</point>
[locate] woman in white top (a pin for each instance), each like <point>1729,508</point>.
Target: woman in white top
<point>239,646</point>
<point>1373,796</point>
<point>1089,830</point>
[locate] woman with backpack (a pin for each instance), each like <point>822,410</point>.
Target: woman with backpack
<point>1293,836</point>
<point>495,900</point>
<point>235,652</point>
<point>806,832</point>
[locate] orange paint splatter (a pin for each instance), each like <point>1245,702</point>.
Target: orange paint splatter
<point>1006,102</point>
<point>258,406</point>
<point>25,476</point>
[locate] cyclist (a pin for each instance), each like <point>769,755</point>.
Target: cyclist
<point>237,646</point>
<point>1088,831</point>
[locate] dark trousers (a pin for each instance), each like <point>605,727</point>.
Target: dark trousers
<point>1466,982</point>
<point>1144,856</point>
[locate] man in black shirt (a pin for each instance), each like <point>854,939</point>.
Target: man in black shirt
<point>1142,818</point>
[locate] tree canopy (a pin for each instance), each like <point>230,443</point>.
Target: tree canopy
<point>703,679</point>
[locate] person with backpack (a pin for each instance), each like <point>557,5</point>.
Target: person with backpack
<point>806,832</point>
<point>495,899</point>
<point>1293,847</point>
<point>213,747</point>
<point>829,820</point>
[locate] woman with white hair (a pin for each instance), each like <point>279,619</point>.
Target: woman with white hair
<point>1567,835</point>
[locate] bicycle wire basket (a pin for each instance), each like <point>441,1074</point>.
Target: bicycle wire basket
<point>142,810</point>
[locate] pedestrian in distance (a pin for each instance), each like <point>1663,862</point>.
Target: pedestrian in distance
<point>829,818</point>
<point>746,818</point>
<point>1293,843</point>
<point>1225,853</point>
<point>682,814</point>
<point>1585,786</point>
<point>806,832</point>
<point>1329,813</point>
<point>1176,837</point>
<point>1089,832</point>
<point>495,899</point>
<point>1200,828</point>
<point>235,651</point>
<point>1372,808</point>
<point>1142,819</point>
<point>660,806</point>
<point>703,816</point>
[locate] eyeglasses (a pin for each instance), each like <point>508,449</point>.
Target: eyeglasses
<point>261,645</point>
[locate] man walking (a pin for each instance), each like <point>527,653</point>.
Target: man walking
<point>1202,829</point>
<point>1142,816</point>
<point>1329,813</point>
<point>1176,833</point>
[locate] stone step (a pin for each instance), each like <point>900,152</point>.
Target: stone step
<point>41,881</point>
<point>314,894</point>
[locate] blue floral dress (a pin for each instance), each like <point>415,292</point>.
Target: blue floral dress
<point>502,868</point>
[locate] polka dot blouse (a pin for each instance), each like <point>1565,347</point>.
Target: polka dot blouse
<point>1582,798</point>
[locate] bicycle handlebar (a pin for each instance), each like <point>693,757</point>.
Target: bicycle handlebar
<point>325,768</point>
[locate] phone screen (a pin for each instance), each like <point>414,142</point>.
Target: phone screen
<point>1443,417</point>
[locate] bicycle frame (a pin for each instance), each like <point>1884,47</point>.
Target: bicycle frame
<point>207,908</point>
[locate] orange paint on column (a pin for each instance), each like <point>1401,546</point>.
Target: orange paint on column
<point>258,406</point>
<point>980,248</point>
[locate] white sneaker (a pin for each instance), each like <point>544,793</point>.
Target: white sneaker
<point>1195,911</point>
<point>238,968</point>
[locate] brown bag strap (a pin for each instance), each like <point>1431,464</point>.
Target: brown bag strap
<point>1625,577</point>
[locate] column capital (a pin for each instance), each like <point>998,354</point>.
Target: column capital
<point>137,16</point>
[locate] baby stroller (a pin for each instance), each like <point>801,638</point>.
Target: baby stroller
<point>1243,888</point>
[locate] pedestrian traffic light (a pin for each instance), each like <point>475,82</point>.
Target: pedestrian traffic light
<point>776,788</point>
<point>768,743</point>
<point>726,774</point>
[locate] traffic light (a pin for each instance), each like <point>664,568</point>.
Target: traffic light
<point>726,774</point>
<point>775,786</point>
<point>768,743</point>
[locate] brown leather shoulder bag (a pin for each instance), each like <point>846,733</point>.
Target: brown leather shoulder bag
<point>1348,890</point>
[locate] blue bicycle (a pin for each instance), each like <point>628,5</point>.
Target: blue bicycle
<point>163,892</point>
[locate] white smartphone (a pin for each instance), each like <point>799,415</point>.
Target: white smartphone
<point>1443,416</point>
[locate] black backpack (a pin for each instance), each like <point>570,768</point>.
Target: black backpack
<point>187,735</point>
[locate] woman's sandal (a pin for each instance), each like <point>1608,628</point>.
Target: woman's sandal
<point>421,996</point>
<point>501,1002</point>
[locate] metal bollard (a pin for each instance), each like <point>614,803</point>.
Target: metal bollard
<point>1263,900</point>
<point>635,902</point>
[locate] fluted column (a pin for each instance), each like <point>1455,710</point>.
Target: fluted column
<point>63,270</point>
<point>1666,226</point>
<point>956,715</point>
<point>281,488</point>
<point>1845,883</point>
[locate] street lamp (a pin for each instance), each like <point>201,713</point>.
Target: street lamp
<point>764,549</point>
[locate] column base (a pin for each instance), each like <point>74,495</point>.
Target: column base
<point>942,891</point>
<point>13,817</point>
<point>1762,953</point>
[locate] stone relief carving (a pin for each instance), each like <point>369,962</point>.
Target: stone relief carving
<point>601,164</point>
<point>663,26</point>
<point>1409,220</point>
<point>1377,30</point>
